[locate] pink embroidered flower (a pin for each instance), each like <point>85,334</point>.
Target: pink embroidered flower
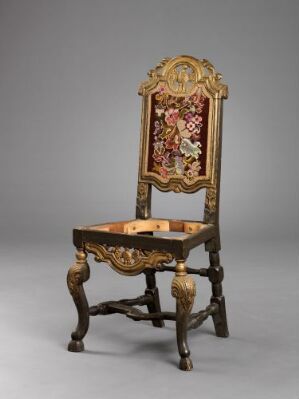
<point>163,172</point>
<point>196,119</point>
<point>190,126</point>
<point>171,116</point>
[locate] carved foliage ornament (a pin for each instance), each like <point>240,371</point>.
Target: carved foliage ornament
<point>143,201</point>
<point>210,202</point>
<point>128,261</point>
<point>142,191</point>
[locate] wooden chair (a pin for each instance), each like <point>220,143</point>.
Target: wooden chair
<point>180,151</point>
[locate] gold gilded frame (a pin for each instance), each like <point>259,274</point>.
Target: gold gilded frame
<point>202,75</point>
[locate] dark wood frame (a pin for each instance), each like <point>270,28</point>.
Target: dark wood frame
<point>131,248</point>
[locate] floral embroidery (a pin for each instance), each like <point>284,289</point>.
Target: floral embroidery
<point>177,125</point>
<point>171,116</point>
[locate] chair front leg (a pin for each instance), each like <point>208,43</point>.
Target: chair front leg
<point>79,273</point>
<point>184,290</point>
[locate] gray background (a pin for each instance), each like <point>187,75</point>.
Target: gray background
<point>69,128</point>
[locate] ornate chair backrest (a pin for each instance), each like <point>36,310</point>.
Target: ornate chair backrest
<point>180,146</point>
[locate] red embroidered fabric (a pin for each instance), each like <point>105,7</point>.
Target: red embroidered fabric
<point>178,135</point>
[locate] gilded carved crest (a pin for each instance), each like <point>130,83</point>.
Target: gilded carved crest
<point>182,73</point>
<point>181,78</point>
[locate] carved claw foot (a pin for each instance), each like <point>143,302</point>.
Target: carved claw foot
<point>184,290</point>
<point>77,275</point>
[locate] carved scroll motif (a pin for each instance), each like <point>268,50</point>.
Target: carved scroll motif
<point>184,290</point>
<point>78,273</point>
<point>128,261</point>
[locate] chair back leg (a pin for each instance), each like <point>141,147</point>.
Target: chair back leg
<point>215,273</point>
<point>152,289</point>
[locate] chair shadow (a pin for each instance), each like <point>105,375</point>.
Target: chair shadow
<point>163,349</point>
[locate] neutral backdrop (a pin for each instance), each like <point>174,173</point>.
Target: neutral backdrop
<point>69,129</point>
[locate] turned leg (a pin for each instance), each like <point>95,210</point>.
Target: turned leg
<point>152,289</point>
<point>77,275</point>
<point>184,290</point>
<point>215,273</point>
